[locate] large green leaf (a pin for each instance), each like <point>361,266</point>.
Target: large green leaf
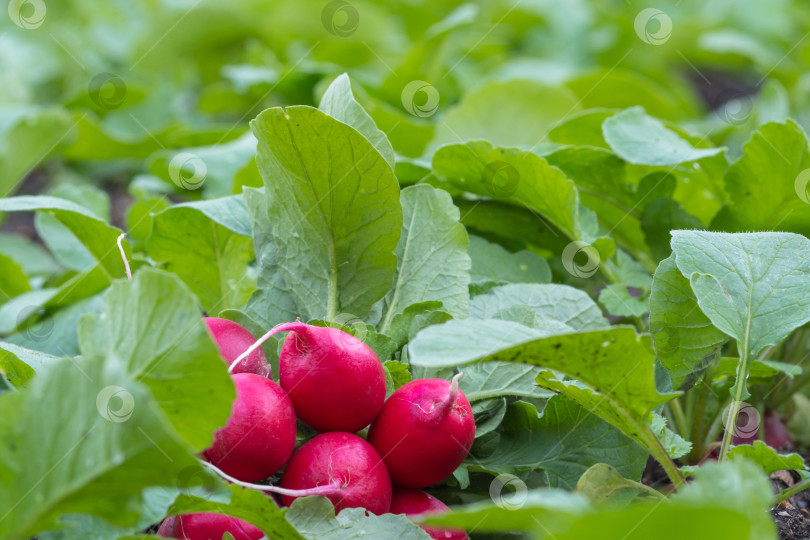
<point>84,437</point>
<point>565,441</point>
<point>524,179</point>
<point>768,186</point>
<point>755,287</point>
<point>339,103</point>
<point>612,370</point>
<point>506,113</point>
<point>433,265</point>
<point>152,325</point>
<point>560,303</point>
<point>272,302</point>
<point>703,510</point>
<point>642,140</point>
<point>207,244</point>
<point>335,210</point>
<point>685,339</point>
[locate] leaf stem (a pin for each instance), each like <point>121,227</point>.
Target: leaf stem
<point>680,417</point>
<point>731,421</point>
<point>697,435</point>
<point>659,453</point>
<point>787,493</point>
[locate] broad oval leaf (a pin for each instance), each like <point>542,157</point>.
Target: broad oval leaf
<point>335,210</point>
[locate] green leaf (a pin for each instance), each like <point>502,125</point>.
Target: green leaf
<point>601,180</point>
<point>153,325</point>
<point>396,375</point>
<point>459,342</point>
<point>339,103</point>
<point>766,457</point>
<point>28,137</point>
<point>95,235</point>
<point>564,442</point>
<point>488,380</point>
<point>335,207</point>
<point>760,369</point>
<point>642,140</point>
<point>433,265</point>
<point>582,129</point>
<point>602,483</point>
<point>84,437</point>
<point>685,339</point>
<point>753,287</point>
<point>660,217</point>
<point>506,113</point>
<point>702,510</point>
<point>561,303</point>
<point>778,152</point>
<point>413,319</point>
<point>523,179</point>
<point>675,445</point>
<point>19,364</point>
<point>314,517</point>
<point>618,301</point>
<point>272,302</point>
<point>612,370</point>
<point>493,265</point>
<point>32,258</point>
<point>252,506</point>
<point>211,258</point>
<point>213,168</point>
<point>13,280</point>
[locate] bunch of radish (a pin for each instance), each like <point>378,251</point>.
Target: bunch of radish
<point>335,384</point>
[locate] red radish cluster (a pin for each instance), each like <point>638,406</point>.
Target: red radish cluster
<point>335,383</point>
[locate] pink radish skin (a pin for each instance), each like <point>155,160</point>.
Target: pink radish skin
<point>424,431</point>
<point>207,527</point>
<point>233,339</point>
<point>335,381</point>
<point>413,502</point>
<point>259,436</point>
<point>346,461</point>
<point>776,433</point>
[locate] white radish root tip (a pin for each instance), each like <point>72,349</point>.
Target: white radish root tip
<point>124,255</point>
<point>327,489</point>
<point>286,327</point>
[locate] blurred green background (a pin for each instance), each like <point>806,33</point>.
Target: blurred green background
<point>104,94</point>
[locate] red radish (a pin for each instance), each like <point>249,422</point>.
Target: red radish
<point>424,431</point>
<point>776,433</point>
<point>207,527</point>
<point>412,502</point>
<point>335,381</point>
<point>345,461</point>
<point>233,339</point>
<point>260,434</point>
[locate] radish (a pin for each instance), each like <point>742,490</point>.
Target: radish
<point>232,339</point>
<point>207,527</point>
<point>424,431</point>
<point>335,381</point>
<point>412,502</point>
<point>259,436</point>
<point>776,433</point>
<point>348,463</point>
